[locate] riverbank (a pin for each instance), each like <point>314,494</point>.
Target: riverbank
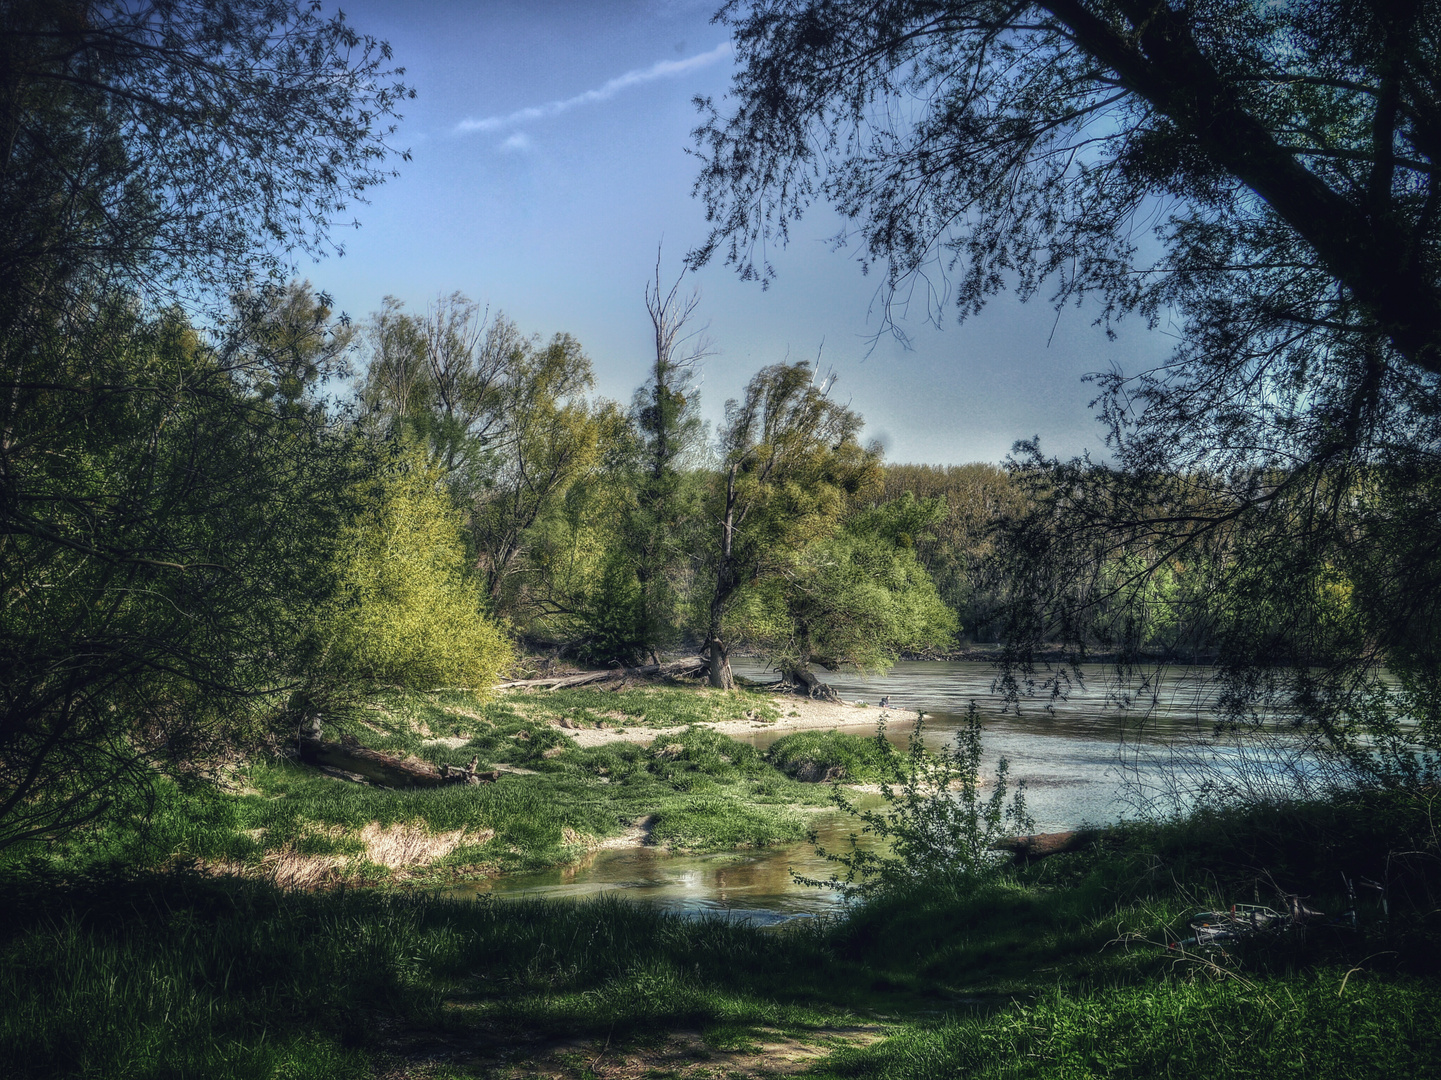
<point>1057,970</point>
<point>580,771</point>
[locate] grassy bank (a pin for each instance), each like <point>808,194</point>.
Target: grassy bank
<point>1056,970</point>
<point>692,790</point>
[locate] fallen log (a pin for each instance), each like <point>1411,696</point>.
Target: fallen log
<point>386,769</point>
<point>1042,844</point>
<point>675,669</point>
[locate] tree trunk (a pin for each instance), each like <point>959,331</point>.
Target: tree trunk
<point>804,679</point>
<point>676,669</point>
<point>720,666</point>
<point>726,584</point>
<point>1042,844</point>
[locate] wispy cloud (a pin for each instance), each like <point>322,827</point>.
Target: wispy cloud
<point>520,141</point>
<point>663,69</point>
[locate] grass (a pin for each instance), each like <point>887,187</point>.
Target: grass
<point>698,790</point>
<point>1268,1029</point>
<point>851,758</point>
<point>1056,970</point>
<point>179,975</point>
<point>1059,969</point>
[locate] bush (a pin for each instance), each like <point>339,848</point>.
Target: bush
<point>934,823</point>
<point>408,612</point>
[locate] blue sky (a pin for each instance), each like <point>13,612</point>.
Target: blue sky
<point>549,161</point>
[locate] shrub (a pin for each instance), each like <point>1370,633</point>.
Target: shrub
<point>934,822</point>
<point>408,612</point>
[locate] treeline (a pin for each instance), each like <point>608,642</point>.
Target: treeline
<point>204,536</point>
<point>611,533</point>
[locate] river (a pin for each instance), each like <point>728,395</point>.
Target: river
<point>1090,757</point>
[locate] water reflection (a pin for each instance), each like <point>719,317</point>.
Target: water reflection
<point>755,886</point>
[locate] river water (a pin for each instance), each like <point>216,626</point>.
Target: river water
<point>1092,756</point>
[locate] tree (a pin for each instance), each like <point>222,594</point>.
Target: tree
<point>666,417</point>
<point>858,598</point>
<point>169,509</point>
<point>407,609</point>
<point>790,464</point>
<point>181,145</point>
<point>168,491</point>
<point>439,377</point>
<point>553,438</point>
<point>1287,155</point>
<point>1299,133</point>
<point>959,551</point>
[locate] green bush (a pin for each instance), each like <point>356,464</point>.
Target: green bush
<point>935,822</point>
<point>409,614</point>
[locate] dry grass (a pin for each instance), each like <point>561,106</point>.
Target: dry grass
<point>450,742</point>
<point>396,847</point>
<point>402,845</point>
<point>291,870</point>
<point>579,839</point>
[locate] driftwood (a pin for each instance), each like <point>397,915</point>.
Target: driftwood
<point>676,669</point>
<point>1042,844</point>
<point>386,769</point>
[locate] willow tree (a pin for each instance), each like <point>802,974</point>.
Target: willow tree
<point>407,608</point>
<point>856,599</point>
<point>1262,176</point>
<point>791,463</point>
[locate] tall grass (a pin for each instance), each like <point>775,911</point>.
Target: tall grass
<point>183,976</point>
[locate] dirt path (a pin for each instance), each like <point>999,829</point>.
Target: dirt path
<point>683,1053</point>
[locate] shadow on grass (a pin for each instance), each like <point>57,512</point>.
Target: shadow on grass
<point>1056,970</point>
<point>179,974</point>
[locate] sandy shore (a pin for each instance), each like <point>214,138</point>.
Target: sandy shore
<point>809,715</point>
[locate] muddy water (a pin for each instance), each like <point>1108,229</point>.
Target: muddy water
<point>1091,757</point>
<point>755,886</point>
